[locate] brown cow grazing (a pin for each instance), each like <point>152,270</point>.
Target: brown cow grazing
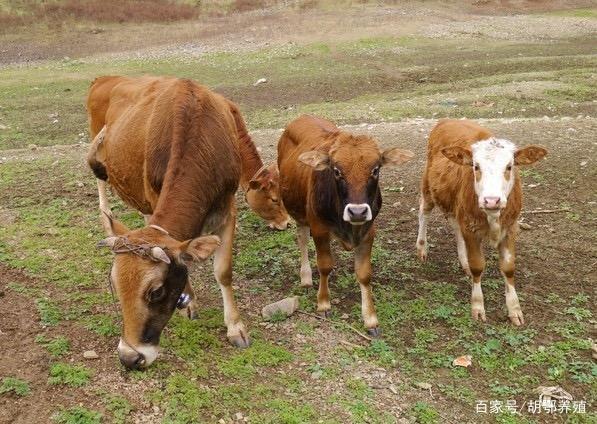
<point>329,185</point>
<point>473,177</point>
<point>169,148</point>
<point>258,181</point>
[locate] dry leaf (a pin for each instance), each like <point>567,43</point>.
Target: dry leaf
<point>463,361</point>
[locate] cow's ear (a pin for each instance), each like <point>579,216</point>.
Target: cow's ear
<point>197,249</point>
<point>395,156</point>
<point>315,159</point>
<point>458,155</point>
<point>529,155</point>
<point>261,180</point>
<point>112,226</point>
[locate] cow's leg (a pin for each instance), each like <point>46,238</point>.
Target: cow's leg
<point>476,262</point>
<point>362,266</point>
<point>507,257</point>
<point>325,264</point>
<point>425,207</point>
<point>460,246</point>
<point>104,205</point>
<point>303,243</point>
<point>237,333</point>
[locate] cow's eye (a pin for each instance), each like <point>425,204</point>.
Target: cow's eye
<point>337,173</point>
<point>275,200</point>
<point>476,167</point>
<point>156,294</point>
<point>375,172</point>
<point>509,168</point>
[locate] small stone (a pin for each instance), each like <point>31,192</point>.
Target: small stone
<point>221,421</point>
<point>156,409</point>
<point>316,375</point>
<point>423,386</point>
<point>3,127</point>
<point>393,389</point>
<point>32,147</point>
<point>80,184</point>
<point>90,354</point>
<point>344,316</point>
<point>335,301</point>
<point>260,81</point>
<point>239,416</point>
<point>584,163</point>
<point>524,226</point>
<point>286,306</point>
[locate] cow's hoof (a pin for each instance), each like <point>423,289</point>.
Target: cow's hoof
<point>478,314</point>
<point>517,318</point>
<point>325,314</point>
<point>240,341</point>
<point>374,332</point>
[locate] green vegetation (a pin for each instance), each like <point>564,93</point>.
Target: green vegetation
<point>14,385</point>
<point>69,375</point>
<point>260,354</point>
<point>56,347</point>
<point>425,413</point>
<point>119,407</point>
<point>77,415</point>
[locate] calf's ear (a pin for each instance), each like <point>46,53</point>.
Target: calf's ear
<point>395,156</point>
<point>458,155</point>
<point>112,226</point>
<point>197,249</point>
<point>261,180</point>
<point>529,155</point>
<point>315,159</point>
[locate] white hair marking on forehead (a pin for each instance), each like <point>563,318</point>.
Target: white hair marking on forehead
<point>492,148</point>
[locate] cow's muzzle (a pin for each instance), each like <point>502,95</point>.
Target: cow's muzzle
<point>357,213</point>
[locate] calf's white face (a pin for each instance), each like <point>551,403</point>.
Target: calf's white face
<point>493,162</point>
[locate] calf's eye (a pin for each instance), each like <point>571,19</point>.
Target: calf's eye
<point>476,167</point>
<point>337,173</point>
<point>375,172</point>
<point>509,168</point>
<point>156,294</point>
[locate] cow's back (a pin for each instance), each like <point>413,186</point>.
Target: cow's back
<point>301,135</point>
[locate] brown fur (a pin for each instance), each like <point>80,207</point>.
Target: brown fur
<point>170,148</point>
<point>125,92</point>
<point>310,153</point>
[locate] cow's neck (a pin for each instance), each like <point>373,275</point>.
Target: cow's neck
<point>249,156</point>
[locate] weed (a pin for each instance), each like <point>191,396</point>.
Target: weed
<point>260,354</point>
<point>56,347</point>
<point>77,415</point>
<point>101,324</point>
<point>49,312</point>
<point>119,407</point>
<point>69,375</point>
<point>14,385</point>
<point>580,314</point>
<point>425,413</point>
<point>182,400</point>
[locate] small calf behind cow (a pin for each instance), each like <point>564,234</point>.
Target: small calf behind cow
<point>473,178</point>
<point>329,183</point>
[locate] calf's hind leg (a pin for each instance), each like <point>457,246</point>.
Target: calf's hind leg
<point>425,207</point>
<point>303,243</point>
<point>237,332</point>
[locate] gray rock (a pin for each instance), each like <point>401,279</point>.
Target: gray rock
<point>286,306</point>
<point>90,354</point>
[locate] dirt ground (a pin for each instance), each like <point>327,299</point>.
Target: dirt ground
<point>333,376</point>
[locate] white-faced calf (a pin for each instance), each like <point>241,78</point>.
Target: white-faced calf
<point>473,178</point>
<point>329,185</point>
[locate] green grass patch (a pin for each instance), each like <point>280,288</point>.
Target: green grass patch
<point>56,347</point>
<point>49,313</point>
<point>14,385</point>
<point>77,415</point>
<point>69,375</point>
<point>259,354</point>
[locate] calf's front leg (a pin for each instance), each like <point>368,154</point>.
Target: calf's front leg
<point>507,256</point>
<point>303,243</point>
<point>476,263</point>
<point>237,332</point>
<point>362,267</point>
<point>325,264</point>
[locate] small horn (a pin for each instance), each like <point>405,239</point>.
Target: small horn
<point>159,254</point>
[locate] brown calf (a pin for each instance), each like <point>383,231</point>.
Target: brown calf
<point>473,177</point>
<point>169,148</point>
<point>329,185</point>
<point>258,181</point>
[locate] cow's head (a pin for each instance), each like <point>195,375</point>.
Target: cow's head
<point>263,197</point>
<point>149,274</point>
<point>493,162</point>
<point>354,162</point>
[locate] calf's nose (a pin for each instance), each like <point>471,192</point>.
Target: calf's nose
<point>132,360</point>
<point>358,213</point>
<point>491,202</point>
